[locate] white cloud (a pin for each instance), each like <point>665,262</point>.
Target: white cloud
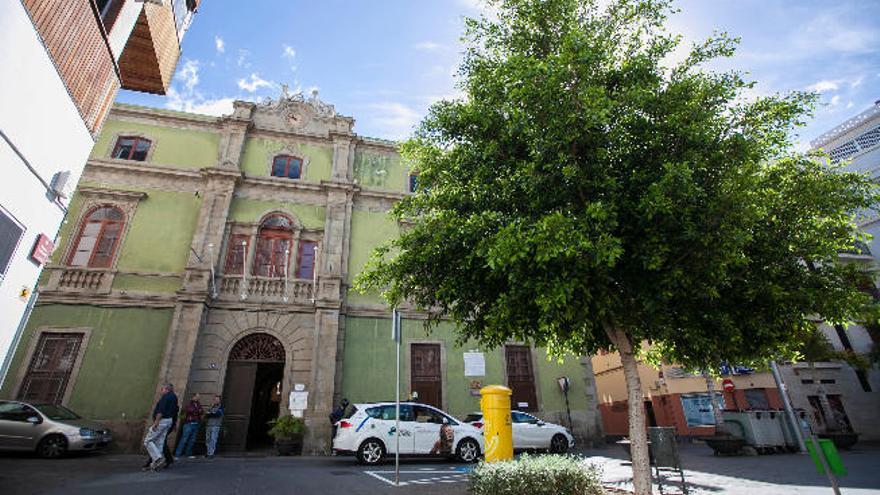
<point>428,46</point>
<point>242,60</point>
<point>189,74</point>
<point>395,119</point>
<point>850,105</point>
<point>195,103</point>
<point>835,100</point>
<point>823,86</point>
<point>855,83</point>
<point>219,44</point>
<point>288,52</point>
<point>253,83</point>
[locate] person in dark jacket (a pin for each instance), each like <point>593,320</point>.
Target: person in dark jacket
<point>336,416</point>
<point>163,417</point>
<point>190,428</point>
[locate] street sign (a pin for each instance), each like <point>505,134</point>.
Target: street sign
<point>728,385</point>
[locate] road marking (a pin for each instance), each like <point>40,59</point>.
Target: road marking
<point>452,475</point>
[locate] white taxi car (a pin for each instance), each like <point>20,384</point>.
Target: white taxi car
<point>530,433</point>
<point>368,431</point>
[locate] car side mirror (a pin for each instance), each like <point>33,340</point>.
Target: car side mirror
<point>35,420</point>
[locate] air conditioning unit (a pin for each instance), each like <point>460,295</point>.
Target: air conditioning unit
<point>61,185</point>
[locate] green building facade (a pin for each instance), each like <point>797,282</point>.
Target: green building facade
<point>218,254</point>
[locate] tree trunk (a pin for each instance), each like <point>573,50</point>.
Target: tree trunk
<point>638,436</point>
<point>830,420</point>
<point>713,399</point>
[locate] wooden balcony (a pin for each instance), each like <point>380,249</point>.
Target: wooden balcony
<point>150,55</point>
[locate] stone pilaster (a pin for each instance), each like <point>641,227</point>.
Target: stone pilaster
<point>191,309</point>
<point>234,131</point>
<point>317,440</point>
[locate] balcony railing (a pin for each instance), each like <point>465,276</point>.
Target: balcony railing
<point>264,289</point>
<point>79,279</point>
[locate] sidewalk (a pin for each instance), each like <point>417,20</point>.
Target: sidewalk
<point>779,474</point>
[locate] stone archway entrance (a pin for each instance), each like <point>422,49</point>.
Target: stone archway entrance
<point>252,391</point>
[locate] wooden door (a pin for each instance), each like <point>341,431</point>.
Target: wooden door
<point>521,378</point>
<point>425,374</point>
<point>238,394</point>
<point>50,368</point>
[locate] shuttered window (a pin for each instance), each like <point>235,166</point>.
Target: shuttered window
<point>11,233</point>
<point>98,238</point>
<point>236,253</point>
<point>273,247</point>
<point>305,260</point>
<point>50,368</point>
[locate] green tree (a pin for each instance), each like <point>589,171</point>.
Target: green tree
<point>587,194</point>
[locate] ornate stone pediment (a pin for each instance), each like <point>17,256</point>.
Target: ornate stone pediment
<point>296,112</point>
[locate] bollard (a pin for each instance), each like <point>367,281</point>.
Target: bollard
<point>497,427</point>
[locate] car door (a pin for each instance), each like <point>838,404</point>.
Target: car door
<point>16,432</point>
<point>427,428</point>
<point>527,431</point>
<point>387,428</point>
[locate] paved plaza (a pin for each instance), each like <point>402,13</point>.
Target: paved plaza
<point>706,474</point>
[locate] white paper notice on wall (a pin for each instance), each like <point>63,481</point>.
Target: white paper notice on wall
<point>299,401</point>
<point>474,364</point>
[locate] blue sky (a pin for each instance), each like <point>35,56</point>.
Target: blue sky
<point>384,63</point>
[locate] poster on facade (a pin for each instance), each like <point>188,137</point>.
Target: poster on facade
<point>698,409</point>
<point>474,364</point>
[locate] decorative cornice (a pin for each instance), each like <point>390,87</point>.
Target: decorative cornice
<point>111,194</point>
<point>168,117</point>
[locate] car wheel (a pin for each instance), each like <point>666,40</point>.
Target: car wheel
<point>558,444</point>
<point>52,447</point>
<point>371,452</point>
<point>468,450</point>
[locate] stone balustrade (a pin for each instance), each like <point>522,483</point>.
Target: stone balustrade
<point>264,289</point>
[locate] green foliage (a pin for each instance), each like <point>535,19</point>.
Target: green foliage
<point>586,183</point>
<point>537,475</point>
<point>286,426</point>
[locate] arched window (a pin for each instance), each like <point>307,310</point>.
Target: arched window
<point>98,238</point>
<point>273,246</point>
<point>131,148</point>
<point>287,166</point>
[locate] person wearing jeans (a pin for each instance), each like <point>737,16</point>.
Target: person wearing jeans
<point>213,421</point>
<point>190,428</point>
<point>163,417</point>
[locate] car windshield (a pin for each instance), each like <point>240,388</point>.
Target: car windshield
<point>56,412</point>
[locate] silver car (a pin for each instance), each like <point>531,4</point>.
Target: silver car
<point>50,430</point>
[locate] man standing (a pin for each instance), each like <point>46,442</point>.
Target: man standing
<point>214,419</point>
<point>163,416</point>
<point>190,428</point>
<point>335,416</point>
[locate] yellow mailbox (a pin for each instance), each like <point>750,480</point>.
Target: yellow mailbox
<point>497,429</point>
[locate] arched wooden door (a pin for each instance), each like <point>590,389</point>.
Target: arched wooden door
<point>255,361</point>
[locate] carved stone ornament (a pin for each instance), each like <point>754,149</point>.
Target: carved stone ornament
<point>296,109</point>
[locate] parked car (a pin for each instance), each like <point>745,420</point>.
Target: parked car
<point>531,433</point>
<point>368,431</point>
<point>50,430</point>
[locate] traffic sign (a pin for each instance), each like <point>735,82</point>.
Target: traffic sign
<point>728,385</point>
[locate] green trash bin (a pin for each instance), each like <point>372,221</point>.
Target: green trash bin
<point>831,456</point>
